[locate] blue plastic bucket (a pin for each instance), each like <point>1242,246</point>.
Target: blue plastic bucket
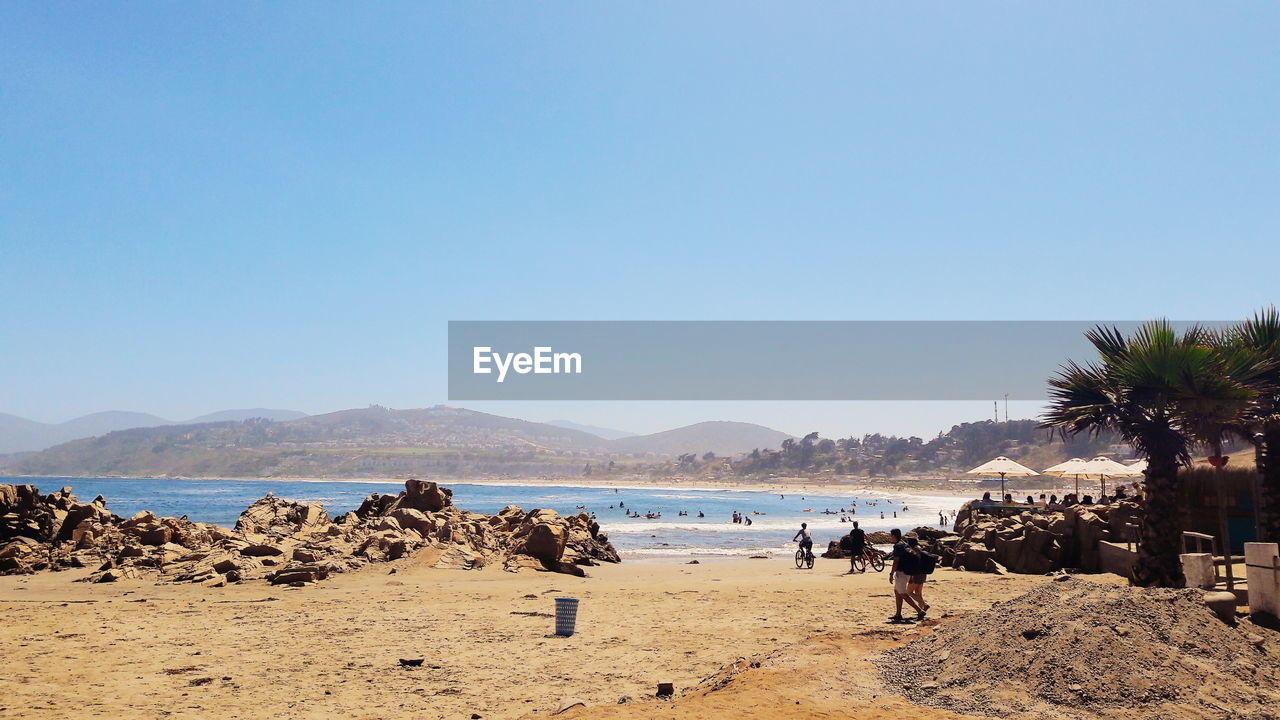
<point>566,615</point>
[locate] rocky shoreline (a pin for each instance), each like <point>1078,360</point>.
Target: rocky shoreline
<point>286,542</point>
<point>1026,542</point>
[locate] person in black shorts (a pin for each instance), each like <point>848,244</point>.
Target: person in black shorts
<point>857,544</point>
<point>806,539</point>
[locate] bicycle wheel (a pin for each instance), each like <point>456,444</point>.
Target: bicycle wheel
<point>800,559</point>
<point>808,560</point>
<point>877,562</point>
<point>860,563</point>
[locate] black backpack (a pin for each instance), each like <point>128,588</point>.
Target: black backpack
<point>909,562</point>
<point>926,563</point>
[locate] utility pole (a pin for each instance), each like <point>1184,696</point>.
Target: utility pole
<point>995,405</point>
<point>1006,407</point>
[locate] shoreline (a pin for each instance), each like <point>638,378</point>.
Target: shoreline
<point>822,489</point>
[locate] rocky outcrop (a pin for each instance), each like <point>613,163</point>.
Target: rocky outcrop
<point>286,542</point>
<point>277,517</point>
<point>1033,543</point>
<point>43,531</point>
<point>835,552</point>
<point>424,496</point>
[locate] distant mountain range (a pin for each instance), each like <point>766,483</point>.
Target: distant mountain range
<point>374,442</point>
<point>724,438</point>
<point>22,435</point>
<point>606,433</point>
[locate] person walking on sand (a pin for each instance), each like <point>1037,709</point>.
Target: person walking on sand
<point>900,576</point>
<point>915,585</point>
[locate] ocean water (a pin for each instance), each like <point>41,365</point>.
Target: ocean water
<point>778,518</point>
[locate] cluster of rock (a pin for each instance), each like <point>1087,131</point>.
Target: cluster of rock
<point>1032,543</point>
<point>1027,542</point>
<point>286,542</point>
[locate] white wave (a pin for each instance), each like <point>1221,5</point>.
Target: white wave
<point>772,550</point>
<point>825,524</point>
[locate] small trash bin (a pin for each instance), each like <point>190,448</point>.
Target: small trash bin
<point>566,615</point>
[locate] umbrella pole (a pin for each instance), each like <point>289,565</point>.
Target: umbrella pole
<point>1001,487</point>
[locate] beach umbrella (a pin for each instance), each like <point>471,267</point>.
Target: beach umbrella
<point>1101,468</point>
<point>1071,468</point>
<point>1004,467</point>
<point>1139,466</point>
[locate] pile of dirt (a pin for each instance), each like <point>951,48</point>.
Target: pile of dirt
<point>1079,649</point>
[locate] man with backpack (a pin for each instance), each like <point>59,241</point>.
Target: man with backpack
<point>855,543</point>
<point>904,566</point>
<point>924,565</point>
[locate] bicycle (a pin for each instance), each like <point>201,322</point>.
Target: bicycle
<point>875,558</point>
<point>869,556</point>
<point>804,559</point>
<point>858,563</point>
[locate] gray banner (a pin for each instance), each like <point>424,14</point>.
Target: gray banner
<point>761,360</point>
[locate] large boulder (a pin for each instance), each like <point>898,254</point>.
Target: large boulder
<point>413,519</point>
<point>973,556</point>
<point>277,517</point>
<point>423,495</point>
<point>929,534</point>
<point>80,513</point>
<point>374,505</point>
<point>299,573</point>
<point>542,535</point>
<point>835,552</point>
<point>1009,552</point>
<point>508,517</point>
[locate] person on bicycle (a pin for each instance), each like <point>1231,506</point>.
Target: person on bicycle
<point>806,539</point>
<point>857,545</point>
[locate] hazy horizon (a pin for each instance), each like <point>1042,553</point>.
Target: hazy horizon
<point>829,419</point>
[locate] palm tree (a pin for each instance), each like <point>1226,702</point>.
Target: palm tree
<point>1162,392</point>
<point>1259,338</point>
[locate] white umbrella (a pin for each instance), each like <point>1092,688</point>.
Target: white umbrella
<point>1075,467</point>
<point>1139,466</point>
<point>1101,468</point>
<point>1003,467</point>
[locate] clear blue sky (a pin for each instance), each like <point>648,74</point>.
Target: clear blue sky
<point>230,204</point>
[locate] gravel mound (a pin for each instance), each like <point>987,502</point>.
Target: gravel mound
<point>1080,649</point>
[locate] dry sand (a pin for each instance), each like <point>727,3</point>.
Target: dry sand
<point>332,650</point>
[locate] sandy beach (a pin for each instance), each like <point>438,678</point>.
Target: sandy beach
<point>332,649</point>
